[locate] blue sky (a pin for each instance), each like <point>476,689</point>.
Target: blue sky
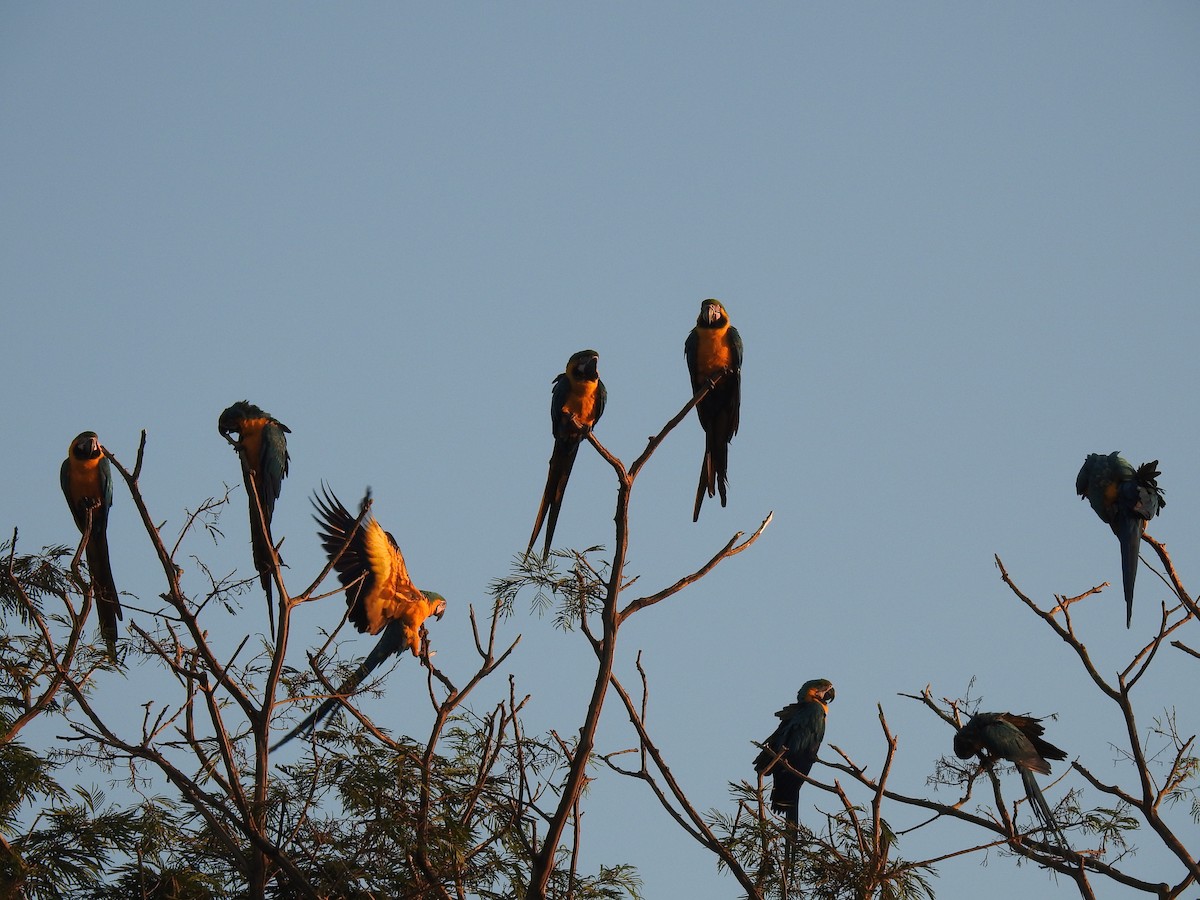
<point>960,242</point>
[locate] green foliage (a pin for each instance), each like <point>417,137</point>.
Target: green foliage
<point>33,577</point>
<point>570,596</point>
<point>847,861</point>
<point>459,812</point>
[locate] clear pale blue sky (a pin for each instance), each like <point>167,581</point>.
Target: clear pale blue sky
<point>960,241</point>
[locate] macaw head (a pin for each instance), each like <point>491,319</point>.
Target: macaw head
<point>967,741</point>
<point>437,602</point>
<point>231,420</point>
<point>584,366</point>
<point>86,446</point>
<point>712,314</point>
<point>973,737</point>
<point>819,689</point>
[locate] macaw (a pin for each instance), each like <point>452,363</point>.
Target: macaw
<point>1126,499</point>
<point>791,750</point>
<point>262,449</point>
<point>379,592</point>
<point>714,351</point>
<point>576,405</point>
<point>86,479</point>
<point>1017,739</point>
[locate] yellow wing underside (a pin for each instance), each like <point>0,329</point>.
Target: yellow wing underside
<point>393,597</point>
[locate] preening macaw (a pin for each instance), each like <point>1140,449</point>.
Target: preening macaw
<point>262,449</point>
<point>86,479</point>
<point>792,747</point>
<point>1126,499</point>
<point>379,592</point>
<point>1017,739</point>
<point>576,405</point>
<point>714,350</point>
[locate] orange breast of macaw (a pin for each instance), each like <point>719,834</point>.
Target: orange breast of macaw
<point>252,440</point>
<point>581,402</point>
<point>84,475</point>
<point>1110,494</point>
<point>713,353</point>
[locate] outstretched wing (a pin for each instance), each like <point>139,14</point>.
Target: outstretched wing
<point>371,568</point>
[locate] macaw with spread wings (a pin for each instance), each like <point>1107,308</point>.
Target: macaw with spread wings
<point>379,592</point>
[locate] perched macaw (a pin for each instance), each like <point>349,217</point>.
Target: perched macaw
<point>379,592</point>
<point>1017,739</point>
<point>262,449</point>
<point>86,479</point>
<point>576,405</point>
<point>1126,499</point>
<point>791,750</point>
<point>714,351</point>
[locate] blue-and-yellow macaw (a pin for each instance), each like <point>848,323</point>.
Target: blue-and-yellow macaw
<point>379,592</point>
<point>789,753</point>
<point>576,405</point>
<point>714,351</point>
<point>262,448</point>
<point>1017,739</point>
<point>1126,499</point>
<point>86,479</point>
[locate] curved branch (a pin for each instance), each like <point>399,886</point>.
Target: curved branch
<point>731,548</point>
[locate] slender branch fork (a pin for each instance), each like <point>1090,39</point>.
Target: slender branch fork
<point>237,811</point>
<point>604,643</point>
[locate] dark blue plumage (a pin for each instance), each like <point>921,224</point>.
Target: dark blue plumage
<point>577,402</point>
<point>1125,499</point>
<point>714,350</point>
<point>262,448</point>
<point>791,750</point>
<point>86,480</point>
<point>1017,739</point>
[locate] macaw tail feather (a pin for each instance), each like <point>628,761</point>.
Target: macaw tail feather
<point>705,485</point>
<point>391,642</point>
<point>714,469</point>
<point>261,545</point>
<point>562,460</point>
<point>1041,809</point>
<point>718,451</point>
<point>263,563</point>
<point>104,590</point>
<point>785,792</point>
<point>1129,532</point>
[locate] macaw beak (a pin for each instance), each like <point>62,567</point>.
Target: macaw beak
<point>440,609</point>
<point>830,695</point>
<point>589,368</point>
<point>89,448</point>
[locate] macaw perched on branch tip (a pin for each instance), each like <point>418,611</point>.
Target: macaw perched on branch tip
<point>86,480</point>
<point>789,753</point>
<point>714,359</point>
<point>1017,739</point>
<point>576,404</point>
<point>262,449</point>
<point>1125,499</point>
